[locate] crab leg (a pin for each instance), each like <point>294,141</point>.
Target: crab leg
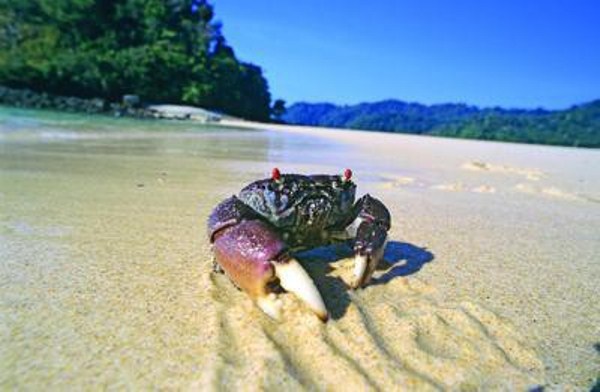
<point>370,228</point>
<point>253,256</point>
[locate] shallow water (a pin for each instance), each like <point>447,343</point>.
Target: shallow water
<point>105,268</point>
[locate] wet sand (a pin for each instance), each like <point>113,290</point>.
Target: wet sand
<point>106,271</point>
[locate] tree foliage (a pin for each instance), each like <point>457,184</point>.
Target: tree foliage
<point>278,109</point>
<point>163,50</point>
<point>577,126</point>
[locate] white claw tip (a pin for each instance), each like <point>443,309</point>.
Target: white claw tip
<point>360,270</point>
<point>270,305</point>
<point>294,279</point>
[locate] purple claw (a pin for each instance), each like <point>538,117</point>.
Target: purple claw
<point>244,251</point>
<point>253,256</point>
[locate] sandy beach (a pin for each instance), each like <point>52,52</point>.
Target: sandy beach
<point>106,281</point>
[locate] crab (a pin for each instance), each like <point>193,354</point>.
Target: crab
<point>255,235</point>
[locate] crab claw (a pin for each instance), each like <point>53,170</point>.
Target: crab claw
<point>295,279</point>
<point>254,258</point>
<point>369,248</point>
<point>372,224</point>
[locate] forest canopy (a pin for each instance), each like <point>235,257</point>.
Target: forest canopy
<point>162,50</point>
<point>173,51</point>
<point>576,126</point>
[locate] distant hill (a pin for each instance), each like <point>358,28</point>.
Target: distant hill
<point>577,126</point>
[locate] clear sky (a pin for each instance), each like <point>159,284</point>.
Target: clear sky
<point>512,53</point>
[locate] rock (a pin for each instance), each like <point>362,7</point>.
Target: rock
<point>131,101</point>
<point>179,112</point>
<point>98,105</point>
<point>130,106</point>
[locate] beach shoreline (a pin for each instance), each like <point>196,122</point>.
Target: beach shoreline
<point>491,282</point>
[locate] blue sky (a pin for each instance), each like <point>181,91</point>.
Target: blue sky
<point>510,53</point>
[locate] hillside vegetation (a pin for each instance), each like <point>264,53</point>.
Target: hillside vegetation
<point>577,126</point>
<point>165,51</point>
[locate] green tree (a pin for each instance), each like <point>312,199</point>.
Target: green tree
<point>164,50</point>
<point>278,109</point>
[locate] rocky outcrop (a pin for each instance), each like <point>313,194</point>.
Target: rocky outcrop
<point>31,99</point>
<point>130,106</point>
<point>179,112</point>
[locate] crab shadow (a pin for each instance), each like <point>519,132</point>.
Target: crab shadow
<point>400,259</point>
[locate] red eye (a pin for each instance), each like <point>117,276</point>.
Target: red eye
<point>347,174</point>
<point>275,174</point>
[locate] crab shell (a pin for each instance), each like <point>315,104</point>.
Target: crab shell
<point>252,234</point>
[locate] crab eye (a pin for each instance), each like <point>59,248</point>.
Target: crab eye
<point>347,174</point>
<point>275,174</point>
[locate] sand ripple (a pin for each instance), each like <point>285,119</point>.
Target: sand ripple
<point>106,278</point>
<point>382,337</point>
<point>532,174</point>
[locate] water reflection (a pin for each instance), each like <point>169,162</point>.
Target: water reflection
<point>59,133</point>
<point>299,149</point>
